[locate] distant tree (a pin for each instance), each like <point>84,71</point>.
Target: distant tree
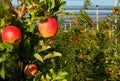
<point>87,3</point>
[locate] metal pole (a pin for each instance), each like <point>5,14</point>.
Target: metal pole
<point>70,24</point>
<point>116,5</point>
<point>97,17</point>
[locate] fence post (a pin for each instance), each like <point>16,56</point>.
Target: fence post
<point>97,17</point>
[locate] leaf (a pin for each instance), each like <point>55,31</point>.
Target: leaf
<point>37,75</point>
<point>2,22</point>
<point>31,28</point>
<point>1,47</point>
<point>53,73</point>
<point>8,46</point>
<point>64,13</point>
<point>4,57</point>
<point>4,9</point>
<point>2,72</point>
<point>60,76</point>
<point>39,57</point>
<point>44,47</point>
<point>54,54</point>
<point>62,4</point>
<point>43,78</point>
<point>48,77</point>
<point>64,80</point>
<point>52,4</point>
<point>28,2</point>
<point>31,11</point>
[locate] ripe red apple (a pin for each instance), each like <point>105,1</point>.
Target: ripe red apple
<point>81,31</point>
<point>11,34</point>
<point>71,37</point>
<point>76,21</point>
<point>31,69</point>
<point>48,27</point>
<point>78,38</point>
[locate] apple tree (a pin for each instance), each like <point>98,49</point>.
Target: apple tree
<point>23,54</point>
<point>90,54</point>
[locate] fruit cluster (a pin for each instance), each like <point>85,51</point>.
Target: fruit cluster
<point>47,28</point>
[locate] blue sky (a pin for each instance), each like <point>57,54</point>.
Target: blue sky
<point>95,2</point>
<point>80,2</point>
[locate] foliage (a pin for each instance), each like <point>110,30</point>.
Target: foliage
<point>89,54</point>
<point>87,3</point>
<point>32,48</point>
<point>83,53</point>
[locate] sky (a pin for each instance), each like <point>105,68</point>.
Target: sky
<point>80,2</point>
<point>95,2</point>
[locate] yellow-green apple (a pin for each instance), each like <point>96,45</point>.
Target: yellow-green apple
<point>30,69</point>
<point>48,27</point>
<point>11,34</point>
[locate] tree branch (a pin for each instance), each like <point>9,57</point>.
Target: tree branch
<point>21,10</point>
<point>11,6</point>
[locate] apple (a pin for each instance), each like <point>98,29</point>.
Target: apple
<point>11,34</point>
<point>76,21</point>
<point>78,38</point>
<point>81,31</point>
<point>71,37</point>
<point>48,27</point>
<point>31,69</point>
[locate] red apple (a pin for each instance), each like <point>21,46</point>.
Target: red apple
<point>76,21</point>
<point>71,37</point>
<point>11,34</point>
<point>31,69</point>
<point>78,38</point>
<point>48,27</point>
<point>81,31</point>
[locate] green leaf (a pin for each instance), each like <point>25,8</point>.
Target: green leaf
<point>48,77</point>
<point>49,4</point>
<point>2,72</point>
<point>51,55</point>
<point>44,47</point>
<point>4,9</point>
<point>2,22</point>
<point>38,56</point>
<point>62,4</point>
<point>53,4</point>
<point>8,46</point>
<point>60,76</point>
<point>32,11</point>
<point>1,47</point>
<point>37,75</point>
<point>43,78</point>
<point>31,28</point>
<point>4,57</point>
<point>28,2</point>
<point>53,73</point>
<point>64,13</point>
